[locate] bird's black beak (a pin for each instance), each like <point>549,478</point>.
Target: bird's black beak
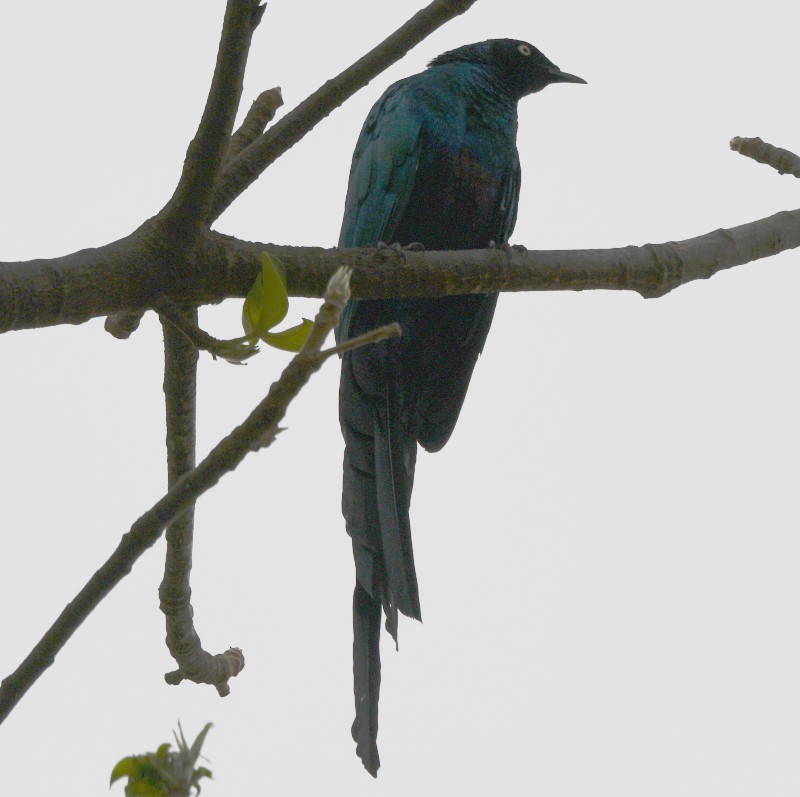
<point>557,76</point>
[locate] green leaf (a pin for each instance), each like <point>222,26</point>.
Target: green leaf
<point>194,753</point>
<point>162,754</point>
<point>200,772</point>
<point>129,767</point>
<point>267,302</point>
<point>291,339</point>
<point>144,780</point>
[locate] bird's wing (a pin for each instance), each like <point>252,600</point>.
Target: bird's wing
<point>445,373</point>
<point>385,163</point>
<point>507,209</point>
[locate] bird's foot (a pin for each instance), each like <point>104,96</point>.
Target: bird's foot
<point>412,247</point>
<point>401,250</point>
<point>509,248</point>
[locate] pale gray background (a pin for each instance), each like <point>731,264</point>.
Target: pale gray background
<point>607,549</point>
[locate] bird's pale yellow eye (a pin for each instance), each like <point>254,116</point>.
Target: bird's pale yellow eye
<point>524,49</point>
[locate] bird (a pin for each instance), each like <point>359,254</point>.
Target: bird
<point>435,167</point>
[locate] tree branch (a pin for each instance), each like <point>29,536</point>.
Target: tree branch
<point>257,431</point>
<point>651,270</point>
<point>91,283</point>
<point>783,161</point>
<point>184,217</point>
<point>189,207</point>
<point>183,642</point>
<point>261,113</point>
<point>245,169</point>
<point>186,324</point>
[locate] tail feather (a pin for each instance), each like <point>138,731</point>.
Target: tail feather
<point>395,458</point>
<point>366,677</point>
<point>379,460</point>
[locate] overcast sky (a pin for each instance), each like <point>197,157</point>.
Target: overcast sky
<point>607,548</point>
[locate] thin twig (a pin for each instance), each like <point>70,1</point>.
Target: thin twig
<point>235,351</point>
<point>782,160</point>
<point>261,113</point>
<point>184,323</point>
<point>374,336</point>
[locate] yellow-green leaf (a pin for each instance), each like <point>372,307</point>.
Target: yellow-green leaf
<point>162,754</point>
<point>127,767</point>
<point>291,339</point>
<point>267,302</point>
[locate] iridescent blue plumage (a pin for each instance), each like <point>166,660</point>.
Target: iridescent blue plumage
<point>436,163</point>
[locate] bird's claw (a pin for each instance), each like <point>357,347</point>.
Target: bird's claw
<point>508,248</point>
<point>400,249</point>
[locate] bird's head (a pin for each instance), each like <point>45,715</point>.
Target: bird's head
<point>520,66</point>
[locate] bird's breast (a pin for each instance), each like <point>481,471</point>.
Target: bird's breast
<point>455,200</point>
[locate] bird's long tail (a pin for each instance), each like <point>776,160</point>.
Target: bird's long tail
<point>379,462</point>
<point>366,677</point>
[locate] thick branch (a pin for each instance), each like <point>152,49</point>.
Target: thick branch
<point>189,206</point>
<point>651,270</point>
<point>245,169</point>
<point>257,431</point>
<point>97,282</point>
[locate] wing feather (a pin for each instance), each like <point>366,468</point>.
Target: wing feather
<point>385,163</point>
